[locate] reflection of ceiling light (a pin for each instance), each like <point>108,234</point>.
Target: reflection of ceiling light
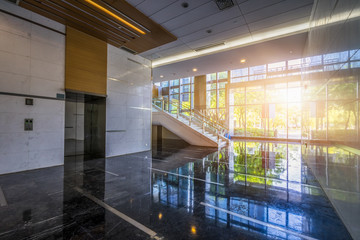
<point>114,16</point>
<point>161,76</point>
<point>259,37</point>
<point>243,60</point>
<point>194,69</point>
<point>160,216</point>
<point>193,229</point>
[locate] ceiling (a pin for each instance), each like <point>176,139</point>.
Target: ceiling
<point>286,48</point>
<point>114,21</point>
<point>202,24</point>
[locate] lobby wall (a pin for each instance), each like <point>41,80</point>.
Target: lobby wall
<point>128,103</point>
<point>31,66</point>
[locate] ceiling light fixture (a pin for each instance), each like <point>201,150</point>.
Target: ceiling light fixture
<point>243,60</point>
<point>161,76</point>
<point>194,69</point>
<point>115,16</point>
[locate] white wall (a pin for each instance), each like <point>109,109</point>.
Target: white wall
<point>32,62</point>
<point>128,106</point>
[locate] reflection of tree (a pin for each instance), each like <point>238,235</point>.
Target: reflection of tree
<point>256,163</point>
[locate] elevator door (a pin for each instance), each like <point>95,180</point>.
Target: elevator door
<point>84,125</point>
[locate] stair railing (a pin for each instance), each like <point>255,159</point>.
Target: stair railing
<point>184,110</point>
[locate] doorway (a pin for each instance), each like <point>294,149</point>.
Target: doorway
<point>85,125</point>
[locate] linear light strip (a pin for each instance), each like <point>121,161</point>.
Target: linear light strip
<point>115,16</point>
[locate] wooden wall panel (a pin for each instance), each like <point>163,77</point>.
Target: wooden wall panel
<point>85,63</point>
<point>200,92</point>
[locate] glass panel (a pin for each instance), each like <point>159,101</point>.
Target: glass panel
<point>237,96</point>
<point>342,120</point>
<point>240,72</point>
<point>185,88</point>
<point>258,69</point>
<point>312,61</point>
<point>254,94</point>
<point>336,57</point>
<point>341,89</point>
<point>276,93</point>
<point>222,84</point>
<point>185,80</point>
<point>174,90</point>
<point>222,75</point>
<point>294,64</point>
<point>211,99</point>
<point>222,98</point>
<point>294,120</point>
<point>254,121</point>
<point>211,77</point>
<point>237,121</point>
<point>314,120</point>
<point>277,121</point>
<point>276,67</point>
<point>165,84</point>
<point>174,82</point>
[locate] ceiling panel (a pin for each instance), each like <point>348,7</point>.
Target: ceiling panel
<point>175,9</point>
<point>194,15</point>
<point>276,9</point>
<point>287,17</point>
<point>190,24</point>
<point>230,26</point>
<point>253,5</point>
<point>149,8</point>
<point>208,21</point>
<point>220,37</point>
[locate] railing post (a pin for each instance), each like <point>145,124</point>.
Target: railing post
<point>203,127</point>
<point>190,119</point>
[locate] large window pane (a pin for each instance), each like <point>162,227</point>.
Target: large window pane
<point>254,94</point>
<point>254,121</point>
<point>237,96</point>
<point>342,120</point>
<point>237,121</point>
<point>211,99</point>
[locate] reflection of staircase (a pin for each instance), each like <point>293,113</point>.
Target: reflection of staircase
<point>188,124</point>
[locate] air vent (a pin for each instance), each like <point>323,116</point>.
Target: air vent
<point>128,50</point>
<point>209,46</point>
<point>223,4</point>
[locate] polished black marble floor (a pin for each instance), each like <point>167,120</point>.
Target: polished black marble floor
<point>250,190</point>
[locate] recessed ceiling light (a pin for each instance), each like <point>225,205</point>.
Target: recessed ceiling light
<point>185,5</point>
<point>161,76</point>
<point>194,69</point>
<point>243,60</point>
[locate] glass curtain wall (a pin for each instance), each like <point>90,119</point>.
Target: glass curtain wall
<point>310,98</point>
<point>177,92</point>
<point>216,96</point>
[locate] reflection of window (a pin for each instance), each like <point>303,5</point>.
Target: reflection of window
<point>335,57</point>
<point>275,67</point>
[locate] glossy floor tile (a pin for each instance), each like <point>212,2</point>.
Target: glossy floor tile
<point>250,190</point>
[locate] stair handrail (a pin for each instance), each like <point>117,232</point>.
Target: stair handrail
<point>220,130</point>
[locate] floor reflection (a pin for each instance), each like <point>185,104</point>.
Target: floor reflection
<point>250,190</point>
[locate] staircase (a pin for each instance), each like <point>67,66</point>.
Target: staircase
<point>188,124</point>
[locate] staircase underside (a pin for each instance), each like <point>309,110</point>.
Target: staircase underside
<point>190,134</point>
